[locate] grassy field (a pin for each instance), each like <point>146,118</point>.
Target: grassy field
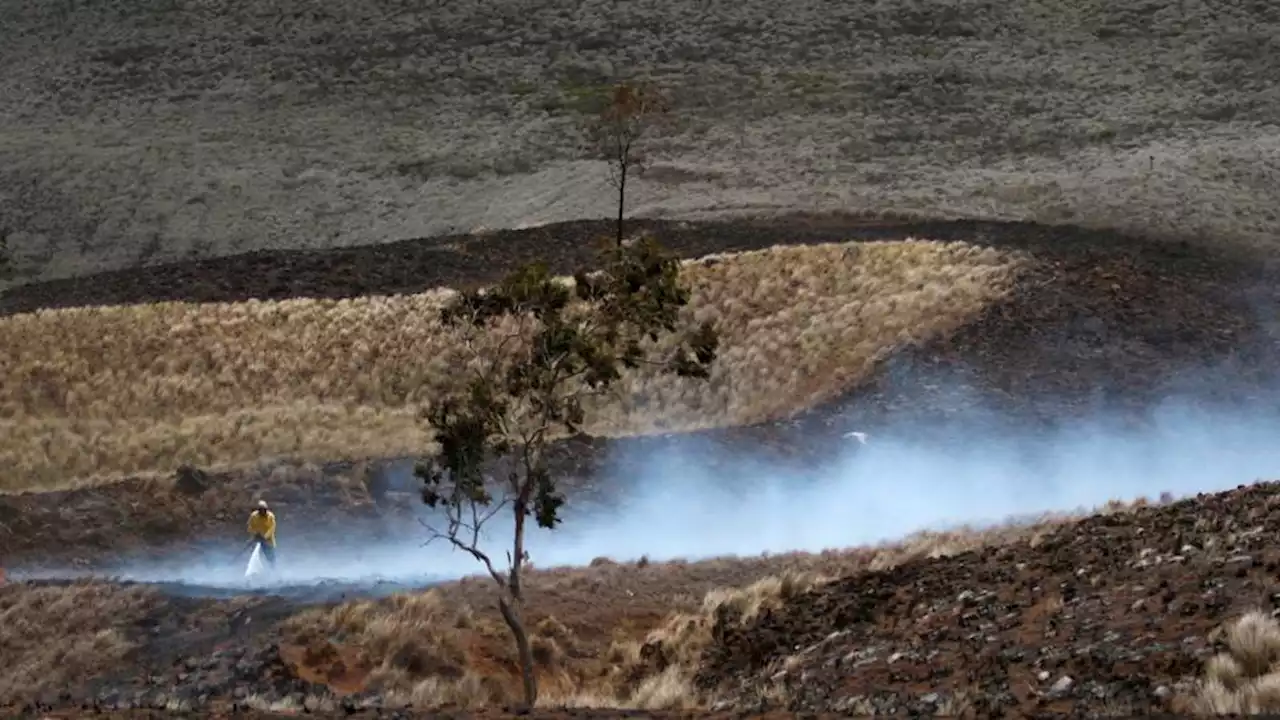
<point>142,131</point>
<point>90,622</point>
<point>101,393</point>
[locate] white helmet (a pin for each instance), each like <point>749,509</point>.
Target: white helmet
<point>262,504</point>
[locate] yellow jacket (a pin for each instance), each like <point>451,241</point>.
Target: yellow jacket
<point>264,525</point>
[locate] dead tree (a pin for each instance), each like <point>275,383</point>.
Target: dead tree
<point>629,111</point>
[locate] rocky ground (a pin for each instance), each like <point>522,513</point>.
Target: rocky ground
<point>358,713</point>
<point>1105,617</point>
<point>1112,615</point>
<point>1109,616</point>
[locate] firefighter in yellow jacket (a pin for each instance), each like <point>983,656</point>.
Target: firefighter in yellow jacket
<point>262,526</point>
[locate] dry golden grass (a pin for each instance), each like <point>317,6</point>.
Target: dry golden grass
<point>1246,678</point>
<point>682,639</point>
<point>627,635</point>
<point>96,394</point>
<point>422,650</point>
<point>52,638</point>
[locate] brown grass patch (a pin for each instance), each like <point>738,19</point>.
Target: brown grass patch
<point>95,394</point>
<point>1245,678</point>
<point>421,650</point>
<point>53,638</point>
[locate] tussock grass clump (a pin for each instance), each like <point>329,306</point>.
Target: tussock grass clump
<point>675,650</point>
<point>94,394</point>
<point>739,606</point>
<point>422,651</point>
<point>406,636</point>
<point>52,638</point>
<point>1245,679</point>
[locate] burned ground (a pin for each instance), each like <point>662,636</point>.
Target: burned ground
<point>1102,323</point>
<point>144,132</point>
<point>1122,606</point>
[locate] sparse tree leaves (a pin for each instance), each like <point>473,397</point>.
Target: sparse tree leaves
<point>631,110</point>
<point>562,343</point>
<point>570,340</point>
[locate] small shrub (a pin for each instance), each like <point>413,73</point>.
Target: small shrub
<point>1245,678</point>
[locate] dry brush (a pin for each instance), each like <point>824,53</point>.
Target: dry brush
<point>55,637</point>
<point>97,394</point>
<point>1243,679</point>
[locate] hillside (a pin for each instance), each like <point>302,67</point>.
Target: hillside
<point>149,131</point>
<point>1159,311</point>
<point>1122,606</point>
<point>1126,605</point>
<point>991,433</point>
<point>1170,320</point>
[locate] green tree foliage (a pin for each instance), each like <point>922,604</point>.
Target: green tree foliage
<point>560,343</point>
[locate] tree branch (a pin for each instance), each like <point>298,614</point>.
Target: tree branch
<point>472,548</point>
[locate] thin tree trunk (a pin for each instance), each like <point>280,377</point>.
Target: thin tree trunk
<point>512,616</point>
<point>622,196</point>
<point>511,611</point>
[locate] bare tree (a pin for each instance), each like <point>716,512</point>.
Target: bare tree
<point>558,344</point>
<point>629,111</point>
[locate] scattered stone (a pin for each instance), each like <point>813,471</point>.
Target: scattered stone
<point>1061,687</point>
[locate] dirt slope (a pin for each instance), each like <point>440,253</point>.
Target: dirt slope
<point>1121,605</point>
<point>1125,605</point>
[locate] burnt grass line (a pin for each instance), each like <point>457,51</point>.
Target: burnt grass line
<point>462,261</point>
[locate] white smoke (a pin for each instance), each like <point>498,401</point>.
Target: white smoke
<point>695,501</point>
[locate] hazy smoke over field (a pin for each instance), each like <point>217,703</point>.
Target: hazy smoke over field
<point>695,501</point>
